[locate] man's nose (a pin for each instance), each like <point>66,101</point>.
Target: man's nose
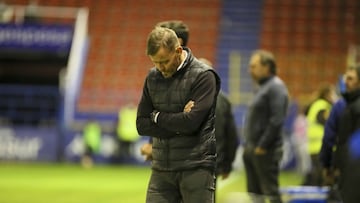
<point>160,67</point>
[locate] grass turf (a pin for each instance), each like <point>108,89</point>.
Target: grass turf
<point>69,183</point>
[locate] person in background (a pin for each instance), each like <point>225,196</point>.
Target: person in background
<point>300,139</point>
<point>262,129</point>
<point>177,109</point>
<point>353,168</point>
<point>316,116</point>
<point>92,140</point>
<point>225,132</point>
<point>343,122</point>
<point>126,130</point>
<point>330,132</point>
<point>329,173</point>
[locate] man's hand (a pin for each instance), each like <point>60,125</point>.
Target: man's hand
<point>330,175</point>
<point>189,106</point>
<point>259,151</point>
<point>146,151</point>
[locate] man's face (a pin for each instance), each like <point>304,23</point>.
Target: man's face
<point>256,69</point>
<point>167,61</point>
<point>351,81</point>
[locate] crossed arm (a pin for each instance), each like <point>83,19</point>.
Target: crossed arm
<point>169,124</point>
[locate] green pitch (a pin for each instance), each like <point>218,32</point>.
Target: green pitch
<point>70,183</point>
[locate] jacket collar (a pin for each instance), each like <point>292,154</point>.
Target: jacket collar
<point>188,59</point>
<point>262,81</point>
<point>351,96</point>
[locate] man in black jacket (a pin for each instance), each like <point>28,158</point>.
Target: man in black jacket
<point>334,139</point>
<point>226,136</point>
<point>225,132</point>
<point>349,124</point>
<point>225,127</point>
<point>263,125</point>
<point>182,31</point>
<point>177,109</point>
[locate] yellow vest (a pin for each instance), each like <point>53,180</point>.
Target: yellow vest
<point>315,130</point>
<point>92,135</point>
<point>126,129</point>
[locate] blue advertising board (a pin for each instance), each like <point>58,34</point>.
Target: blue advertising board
<point>36,37</point>
<point>29,144</point>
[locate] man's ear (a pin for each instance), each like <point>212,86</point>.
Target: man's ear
<point>179,50</point>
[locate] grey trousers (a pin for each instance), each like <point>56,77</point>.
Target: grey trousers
<point>192,186</point>
<point>262,173</point>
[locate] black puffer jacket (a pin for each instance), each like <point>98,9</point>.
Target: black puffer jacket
<point>181,140</point>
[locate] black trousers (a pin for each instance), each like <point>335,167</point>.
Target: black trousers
<point>192,186</point>
<point>262,172</point>
<point>350,180</point>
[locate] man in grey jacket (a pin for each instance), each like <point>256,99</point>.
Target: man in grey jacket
<point>263,125</point>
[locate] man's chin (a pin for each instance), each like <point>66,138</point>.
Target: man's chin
<point>166,75</point>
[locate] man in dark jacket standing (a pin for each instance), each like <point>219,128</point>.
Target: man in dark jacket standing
<point>177,110</point>
<point>225,126</point>
<point>225,132</point>
<point>263,125</point>
<point>348,125</point>
<point>343,121</point>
